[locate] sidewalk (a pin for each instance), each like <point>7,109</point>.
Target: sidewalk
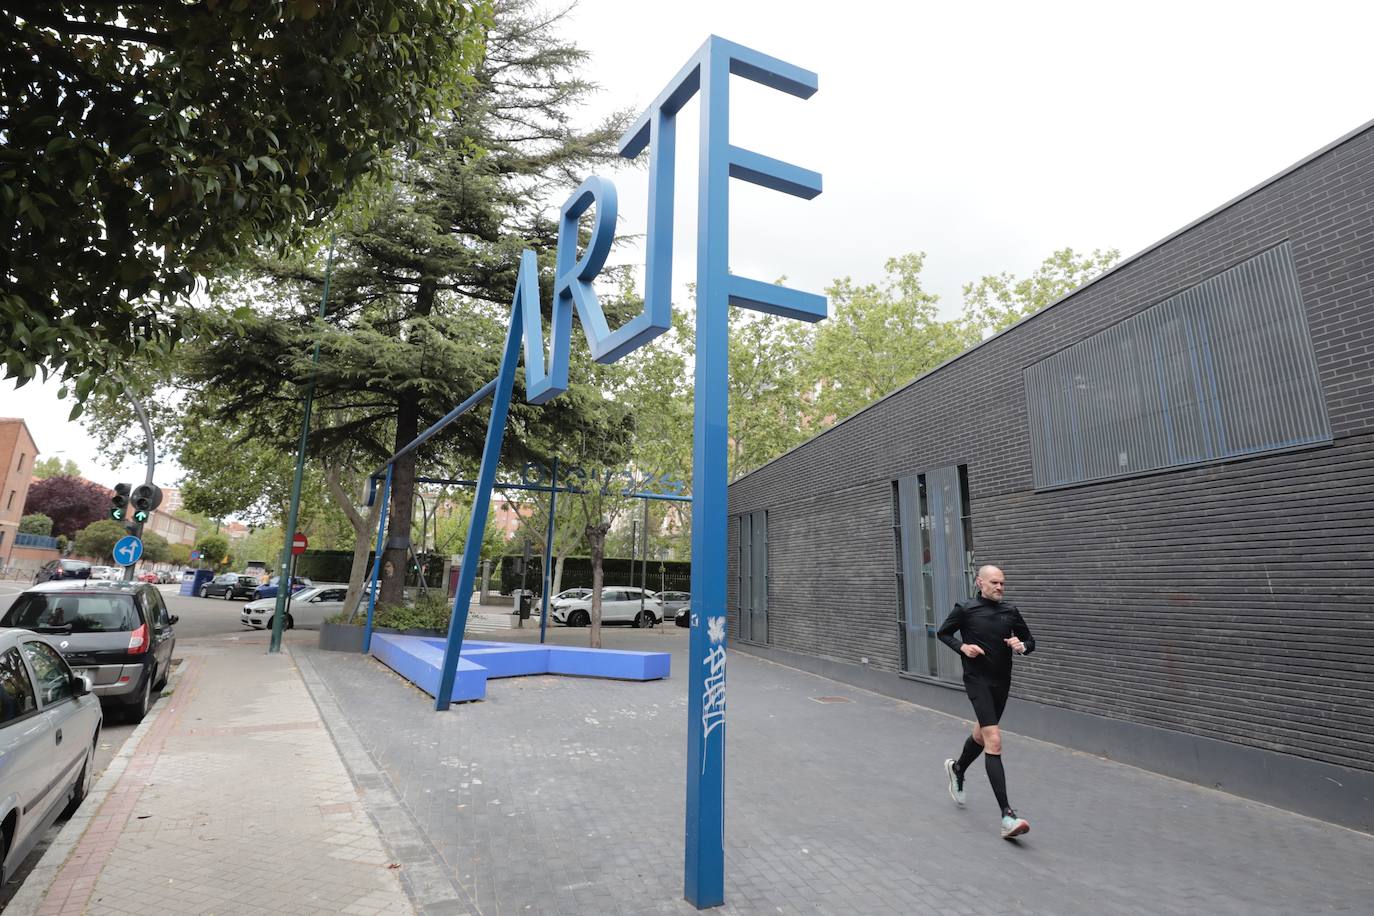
<point>229,798</point>
<point>321,782</point>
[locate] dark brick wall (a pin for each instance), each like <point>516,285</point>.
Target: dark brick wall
<point>1233,600</point>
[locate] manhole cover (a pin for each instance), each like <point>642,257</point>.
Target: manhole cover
<point>831,699</point>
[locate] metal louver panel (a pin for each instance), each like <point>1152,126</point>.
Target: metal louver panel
<point>1221,370</point>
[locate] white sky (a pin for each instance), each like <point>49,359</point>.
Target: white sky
<point>984,134</point>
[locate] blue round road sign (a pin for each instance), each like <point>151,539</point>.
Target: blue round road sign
<point>127,550</point>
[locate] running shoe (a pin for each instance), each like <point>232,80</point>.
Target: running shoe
<point>956,783</point>
<point>1013,826</point>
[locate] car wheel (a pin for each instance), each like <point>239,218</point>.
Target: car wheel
<point>205,591</point>
<point>83,783</point>
<point>579,619</point>
<point>228,594</point>
<point>644,619</point>
<point>139,707</point>
<point>290,622</point>
<point>162,679</point>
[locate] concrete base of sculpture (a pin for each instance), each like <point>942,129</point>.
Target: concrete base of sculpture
<point>419,660</point>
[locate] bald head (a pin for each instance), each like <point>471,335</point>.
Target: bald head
<point>990,583</point>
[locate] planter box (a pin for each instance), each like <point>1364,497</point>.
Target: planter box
<point>340,637</point>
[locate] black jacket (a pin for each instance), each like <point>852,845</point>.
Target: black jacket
<point>986,624</point>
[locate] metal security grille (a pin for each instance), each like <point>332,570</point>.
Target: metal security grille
<point>932,532</point>
<point>753,577</point>
<point>1221,370</point>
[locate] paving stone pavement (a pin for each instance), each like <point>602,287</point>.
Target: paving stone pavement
<point>565,796</point>
<point>233,801</point>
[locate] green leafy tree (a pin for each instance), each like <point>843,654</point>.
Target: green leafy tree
<point>214,550</point>
<point>420,292</point>
<point>53,466</point>
<point>155,548</point>
<point>179,555</point>
<point>148,143</point>
<point>36,523</point>
<point>998,301</point>
<point>451,530</point>
<point>97,540</point>
<point>878,338</point>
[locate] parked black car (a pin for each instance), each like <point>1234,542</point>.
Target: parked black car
<point>118,634</point>
<point>62,569</point>
<point>229,585</point>
<point>683,618</point>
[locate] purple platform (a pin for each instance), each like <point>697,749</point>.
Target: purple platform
<point>418,659</point>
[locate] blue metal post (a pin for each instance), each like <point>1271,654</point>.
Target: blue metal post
<point>704,867</point>
<point>486,477</point>
<point>376,563</point>
<point>548,552</point>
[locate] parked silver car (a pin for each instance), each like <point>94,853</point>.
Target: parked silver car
<point>49,726</point>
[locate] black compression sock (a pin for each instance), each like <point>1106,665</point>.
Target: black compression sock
<point>998,777</point>
<point>971,751</point>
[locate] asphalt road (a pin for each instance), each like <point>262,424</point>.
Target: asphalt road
<point>199,618</point>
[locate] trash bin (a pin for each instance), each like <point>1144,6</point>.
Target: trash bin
<point>526,602</point>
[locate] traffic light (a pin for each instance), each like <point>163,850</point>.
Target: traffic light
<point>119,502</point>
<point>146,497</point>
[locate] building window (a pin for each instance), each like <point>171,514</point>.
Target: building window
<point>9,503</point>
<point>1222,370</point>
<point>933,531</point>
<point>20,466</point>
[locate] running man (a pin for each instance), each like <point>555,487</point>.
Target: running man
<point>990,631</point>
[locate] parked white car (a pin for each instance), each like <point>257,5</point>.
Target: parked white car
<point>49,726</point>
<point>112,573</point>
<point>309,607</point>
<point>619,604</point>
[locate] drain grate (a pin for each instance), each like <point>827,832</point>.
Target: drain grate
<point>832,699</point>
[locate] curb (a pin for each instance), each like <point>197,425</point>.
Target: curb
<point>427,881</point>
<point>36,886</point>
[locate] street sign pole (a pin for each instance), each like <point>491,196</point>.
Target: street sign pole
<point>293,513</point>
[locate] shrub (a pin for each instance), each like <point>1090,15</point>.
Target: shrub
<point>36,523</point>
<point>429,611</point>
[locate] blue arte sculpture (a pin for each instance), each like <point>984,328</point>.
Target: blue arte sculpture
<point>707,73</point>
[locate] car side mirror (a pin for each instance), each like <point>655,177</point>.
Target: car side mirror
<point>81,684</point>
<point>173,619</point>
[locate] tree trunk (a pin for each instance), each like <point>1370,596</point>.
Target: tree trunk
<point>364,530</point>
<point>596,538</point>
<point>396,551</point>
<point>396,556</point>
<point>556,585</point>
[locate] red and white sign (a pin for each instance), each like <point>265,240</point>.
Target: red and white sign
<point>298,544</point>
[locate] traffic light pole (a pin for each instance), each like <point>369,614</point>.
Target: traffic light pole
<point>287,560</point>
<point>137,530</point>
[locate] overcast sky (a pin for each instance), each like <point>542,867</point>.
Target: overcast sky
<point>986,135</point>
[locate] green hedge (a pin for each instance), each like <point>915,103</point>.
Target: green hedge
<point>335,566</point>
<point>669,575</point>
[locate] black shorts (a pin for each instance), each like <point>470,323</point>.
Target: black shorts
<point>989,698</point>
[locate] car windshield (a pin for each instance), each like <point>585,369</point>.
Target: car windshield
<point>48,612</point>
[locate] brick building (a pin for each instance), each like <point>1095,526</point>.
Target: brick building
<point>17,454</point>
<point>1175,467</point>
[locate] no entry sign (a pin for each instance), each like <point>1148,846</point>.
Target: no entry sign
<point>298,544</point>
